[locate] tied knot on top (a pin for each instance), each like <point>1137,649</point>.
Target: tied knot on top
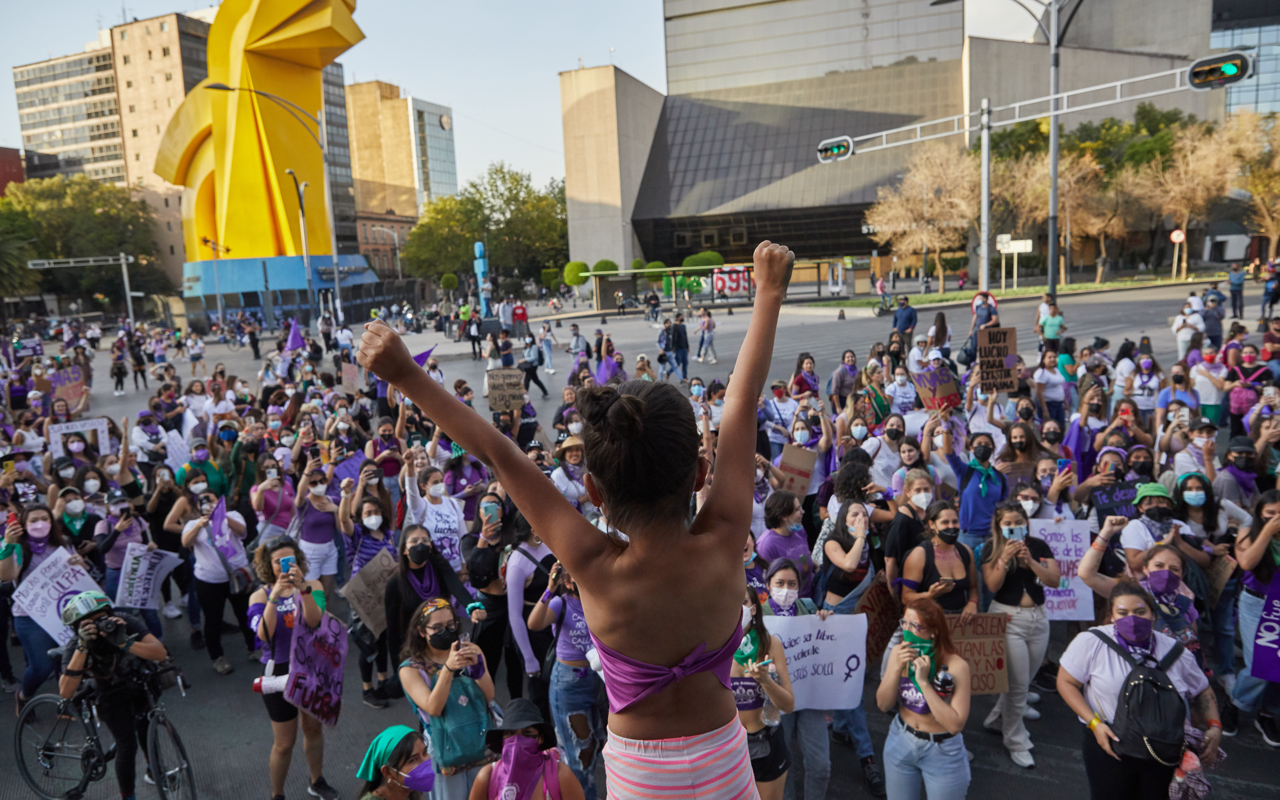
<point>611,415</point>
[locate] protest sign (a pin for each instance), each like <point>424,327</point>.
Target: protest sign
<point>937,388</point>
<point>100,437</point>
<point>506,389</point>
<point>1069,541</point>
<point>1016,472</point>
<point>1266,642</point>
<point>315,668</point>
<point>997,359</point>
<point>367,588</point>
<point>981,643</point>
<point>29,347</point>
<point>68,384</point>
<point>796,466</point>
<point>826,659</point>
<point>350,377</point>
<point>1219,572</point>
<point>141,574</point>
<point>881,610</point>
<point>1116,500</point>
<point>48,588</point>
<point>176,451</point>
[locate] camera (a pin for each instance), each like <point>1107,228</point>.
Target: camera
<point>107,626</point>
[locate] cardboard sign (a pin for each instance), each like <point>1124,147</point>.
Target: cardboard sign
<point>350,378</point>
<point>366,588</point>
<point>141,574</point>
<point>1069,541</point>
<point>982,644</point>
<point>47,589</point>
<point>1219,572</point>
<point>826,659</point>
<point>68,384</point>
<point>506,389</point>
<point>1018,472</point>
<point>1116,500</point>
<point>315,668</point>
<point>99,434</point>
<point>937,388</point>
<point>882,615</point>
<point>29,347</point>
<point>997,359</point>
<point>797,465</point>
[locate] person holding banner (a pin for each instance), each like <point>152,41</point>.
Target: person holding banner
<point>113,536</point>
<point>758,675</point>
<point>215,539</point>
<point>27,543</point>
<point>929,683</point>
<point>1017,567</point>
<point>1258,686</point>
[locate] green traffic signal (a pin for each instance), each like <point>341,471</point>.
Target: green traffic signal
<point>1218,71</point>
<point>1230,69</point>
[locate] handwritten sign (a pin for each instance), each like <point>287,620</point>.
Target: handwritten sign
<point>1019,472</point>
<point>997,359</point>
<point>881,610</point>
<point>1220,570</point>
<point>366,589</point>
<point>176,450</point>
<point>1069,541</point>
<point>47,589</point>
<point>68,384</point>
<point>350,378</point>
<point>796,465</point>
<point>506,389</point>
<point>101,437</point>
<point>937,388</point>
<point>1116,500</point>
<point>29,347</point>
<point>141,574</point>
<point>981,643</point>
<point>315,668</point>
<point>826,659</point>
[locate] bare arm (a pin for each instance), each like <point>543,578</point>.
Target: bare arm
<point>1249,551</point>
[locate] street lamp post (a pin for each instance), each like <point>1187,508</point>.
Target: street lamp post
<point>217,284</point>
<point>306,249</point>
<point>322,142</point>
<point>396,239</point>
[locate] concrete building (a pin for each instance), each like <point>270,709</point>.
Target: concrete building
<point>382,237</point>
<point>11,169</point>
<point>730,157</point>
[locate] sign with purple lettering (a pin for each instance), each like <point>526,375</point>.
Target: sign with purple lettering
<point>1069,541</point>
<point>33,346</point>
<point>68,384</point>
<point>315,669</point>
<point>50,586</point>
<point>1266,643</point>
<point>937,388</point>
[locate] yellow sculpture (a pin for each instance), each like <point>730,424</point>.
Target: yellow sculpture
<point>230,150</point>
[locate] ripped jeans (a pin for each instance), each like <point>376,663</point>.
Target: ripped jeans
<point>573,700</point>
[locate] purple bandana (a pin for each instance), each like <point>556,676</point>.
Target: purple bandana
<point>516,776</point>
<point>426,587</point>
<point>1247,480</point>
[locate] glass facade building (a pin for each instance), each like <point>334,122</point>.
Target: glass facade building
<point>437,171</point>
<point>341,185</point>
<point>1261,90</point>
<point>70,119</point>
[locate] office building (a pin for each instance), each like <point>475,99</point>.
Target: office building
<point>1252,26</point>
<point>11,169</point>
<point>727,158</point>
<point>341,185</point>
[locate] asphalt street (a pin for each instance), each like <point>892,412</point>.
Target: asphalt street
<point>226,729</point>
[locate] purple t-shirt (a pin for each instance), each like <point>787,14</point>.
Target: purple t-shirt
<point>318,527</point>
<point>795,547</point>
<point>572,641</point>
<point>366,547</point>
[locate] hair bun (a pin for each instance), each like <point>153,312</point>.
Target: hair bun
<point>611,415</point>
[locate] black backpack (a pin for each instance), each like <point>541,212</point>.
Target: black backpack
<point>1149,712</point>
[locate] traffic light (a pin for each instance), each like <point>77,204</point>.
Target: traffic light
<point>1215,72</point>
<point>837,149</point>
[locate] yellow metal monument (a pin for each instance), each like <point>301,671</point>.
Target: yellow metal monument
<point>230,149</point>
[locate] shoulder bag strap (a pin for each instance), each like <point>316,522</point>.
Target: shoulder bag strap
<point>536,563</point>
<point>1170,657</point>
<point>1114,645</point>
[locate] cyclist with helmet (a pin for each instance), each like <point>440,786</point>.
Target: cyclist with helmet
<point>108,648</point>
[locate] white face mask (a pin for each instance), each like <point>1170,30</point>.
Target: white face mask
<point>575,428</point>
<point>118,511</point>
<point>75,507</point>
<point>197,488</point>
<point>746,616</point>
<point>921,500</point>
<point>937,443</point>
<point>436,489</point>
<point>67,474</point>
<point>759,475</point>
<point>92,486</point>
<point>372,523</point>
<point>344,427</point>
<point>290,392</point>
<point>858,431</point>
<point>1029,506</point>
<point>318,489</point>
<point>287,441</point>
<point>901,380</point>
<point>784,597</point>
<point>801,436</point>
<point>1200,441</point>
<point>113,470</point>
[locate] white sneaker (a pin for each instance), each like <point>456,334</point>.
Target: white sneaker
<point>1033,698</point>
<point>1228,682</point>
<point>551,372</point>
<point>1023,759</point>
<point>715,361</point>
<point>171,611</point>
<point>1031,713</point>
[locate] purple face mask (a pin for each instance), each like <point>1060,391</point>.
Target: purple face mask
<point>421,778</point>
<point>1134,629</point>
<point>1162,581</point>
<point>1145,363</point>
<point>200,454</point>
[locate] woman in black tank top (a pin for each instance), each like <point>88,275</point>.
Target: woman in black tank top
<point>941,569</point>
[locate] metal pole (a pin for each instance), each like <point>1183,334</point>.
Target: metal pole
<point>984,253</point>
<point>128,298</point>
<point>1002,272</point>
<point>306,246</point>
<point>1015,269</point>
<point>1053,146</point>
<point>399,273</point>
<point>328,203</point>
<point>217,286</point>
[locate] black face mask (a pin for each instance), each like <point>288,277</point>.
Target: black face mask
<point>1143,468</point>
<point>1095,408</point>
<point>1052,437</point>
<point>445,638</point>
<point>982,452</point>
<point>893,434</point>
<point>419,553</point>
<point>1244,464</point>
<point>1157,514</point>
<point>949,535</point>
<point>1020,445</point>
<point>1026,413</point>
<point>1179,379</point>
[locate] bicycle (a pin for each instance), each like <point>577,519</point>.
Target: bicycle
<point>59,750</point>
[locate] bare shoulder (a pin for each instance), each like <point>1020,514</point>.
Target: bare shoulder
<point>959,668</point>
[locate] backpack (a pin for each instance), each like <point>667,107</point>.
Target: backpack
<point>1149,712</point>
<point>457,735</point>
<point>542,359</point>
<point>1242,398</point>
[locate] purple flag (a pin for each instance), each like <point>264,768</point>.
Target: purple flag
<point>295,336</point>
<point>1266,645</point>
<point>218,532</point>
<point>421,358</point>
<point>605,370</point>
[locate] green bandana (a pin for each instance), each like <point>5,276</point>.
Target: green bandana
<point>984,472</point>
<point>749,650</point>
<point>375,758</point>
<point>924,647</point>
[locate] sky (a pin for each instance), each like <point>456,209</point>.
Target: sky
<point>495,62</point>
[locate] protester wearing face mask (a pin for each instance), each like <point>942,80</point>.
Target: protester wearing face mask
<point>319,524</point>
<point>218,551</point>
<point>1156,525</point>
<point>1091,679</point>
<point>902,392</point>
<point>1245,384</point>
<point>1184,326</point>
<point>1258,554</point>
<point>437,674</point>
<point>884,449</point>
<point>397,766</point>
<point>812,430</point>
<point>464,480</point>
<point>200,460</point>
<point>25,438</point>
<point>1021,449</point>
<point>272,498</point>
<point>364,540</point>
<point>1199,455</point>
<point>1050,386</point>
<point>929,683</point>
<point>981,486</point>
<point>78,522</point>
<point>942,567</point>
<point>907,530</point>
<point>756,567</point>
<point>529,766</point>
<point>1144,386</point>
<point>1179,389</point>
<point>423,574</point>
<point>427,503</point>
<point>121,527</point>
<point>785,536</point>
<point>753,683</point>
<point>569,476</point>
<point>1016,567</point>
<point>851,429</point>
<point>1237,481</point>
<point>779,412</point>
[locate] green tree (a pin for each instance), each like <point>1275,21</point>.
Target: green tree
<point>707,258</point>
<point>15,251</point>
<point>448,281</point>
<point>654,271</point>
<point>444,238</point>
<point>604,265</point>
<point>576,273</point>
<point>637,265</point>
<point>80,217</point>
<point>550,277</point>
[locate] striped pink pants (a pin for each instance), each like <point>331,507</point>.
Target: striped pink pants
<point>710,765</point>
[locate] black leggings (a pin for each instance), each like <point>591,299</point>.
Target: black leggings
<point>124,711</point>
<point>213,599</point>
<point>531,376</point>
<point>1127,779</point>
<point>493,637</point>
<point>379,659</point>
<point>119,377</point>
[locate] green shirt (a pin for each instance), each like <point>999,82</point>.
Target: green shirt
<point>217,478</point>
<point>1052,326</point>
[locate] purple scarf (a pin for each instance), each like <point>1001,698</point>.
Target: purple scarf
<point>219,534</point>
<point>761,490</point>
<point>1247,480</point>
<point>426,587</point>
<point>779,611</point>
<point>516,776</point>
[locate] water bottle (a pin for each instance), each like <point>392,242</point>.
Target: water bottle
<point>770,714</point>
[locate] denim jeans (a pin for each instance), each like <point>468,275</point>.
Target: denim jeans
<point>149,615</point>
<point>852,722</point>
<point>1026,639</point>
<point>942,768</point>
<point>1222,656</point>
<point>810,726</point>
<point>546,355</point>
<point>1252,694</point>
<point>36,645</point>
<point>682,361</point>
<point>454,787</point>
<point>1055,409</point>
<point>709,345</point>
<point>973,539</point>
<point>573,693</point>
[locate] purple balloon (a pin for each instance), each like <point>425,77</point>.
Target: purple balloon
<point>1010,361</point>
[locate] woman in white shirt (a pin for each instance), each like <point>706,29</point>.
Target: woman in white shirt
<point>884,449</point>
<point>214,552</point>
<point>570,476</point>
<point>1209,379</point>
<point>427,503</point>
<point>1050,388</point>
<point>902,392</point>
<point>938,341</point>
